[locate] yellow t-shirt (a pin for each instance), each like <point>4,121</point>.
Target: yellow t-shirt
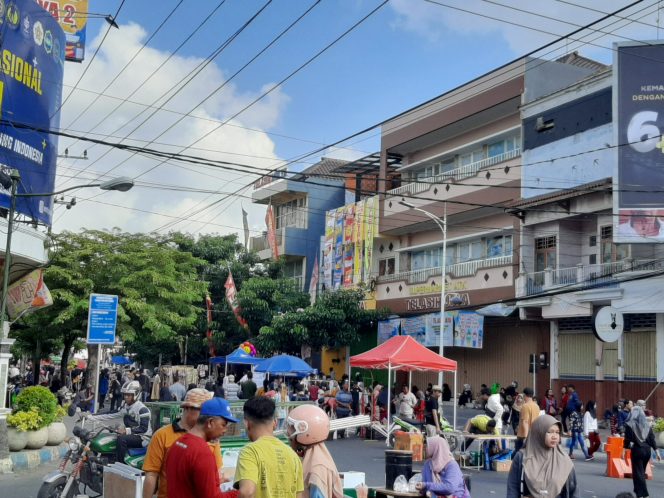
<point>480,422</point>
<point>272,466</point>
<point>160,443</point>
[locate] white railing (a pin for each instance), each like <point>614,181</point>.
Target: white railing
<point>260,242</point>
<point>587,275</point>
<point>456,174</point>
<point>465,269</point>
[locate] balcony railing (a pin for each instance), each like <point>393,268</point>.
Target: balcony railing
<point>465,269</point>
<point>456,174</point>
<point>584,276</point>
<point>260,242</point>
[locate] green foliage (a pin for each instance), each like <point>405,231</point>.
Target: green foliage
<point>38,398</point>
<point>24,421</point>
<point>658,426</point>
<point>335,320</point>
<point>61,412</point>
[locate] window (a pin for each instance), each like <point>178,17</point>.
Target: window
<point>611,252</point>
<point>471,157</point>
<point>292,213</point>
<point>499,246</point>
<point>545,253</point>
<point>427,258</point>
<point>468,251</point>
<point>386,266</point>
<point>293,271</point>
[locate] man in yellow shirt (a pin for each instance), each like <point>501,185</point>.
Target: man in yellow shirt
<point>165,437</point>
<point>479,424</point>
<point>266,467</point>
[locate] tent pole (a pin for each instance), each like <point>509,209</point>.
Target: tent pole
<point>389,403</point>
<point>454,405</point>
<point>410,380</point>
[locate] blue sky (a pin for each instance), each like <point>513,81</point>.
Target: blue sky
<point>405,54</point>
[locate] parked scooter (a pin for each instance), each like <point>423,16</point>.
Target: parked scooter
<point>90,450</point>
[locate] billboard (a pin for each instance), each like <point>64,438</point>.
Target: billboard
<point>72,15</point>
<point>638,110</point>
<point>31,69</point>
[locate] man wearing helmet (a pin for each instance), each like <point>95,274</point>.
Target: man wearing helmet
<point>308,427</point>
<point>136,420</point>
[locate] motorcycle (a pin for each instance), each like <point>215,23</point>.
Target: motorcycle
<point>90,450</point>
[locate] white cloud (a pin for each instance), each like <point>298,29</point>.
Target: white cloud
<point>437,23</point>
<point>232,143</point>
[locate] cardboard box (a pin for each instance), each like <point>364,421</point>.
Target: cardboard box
<point>351,479</point>
<point>501,465</point>
<point>410,441</point>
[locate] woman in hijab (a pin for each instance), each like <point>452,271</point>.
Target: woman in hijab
<point>308,426</point>
<point>441,475</point>
<point>640,439</point>
<point>541,469</point>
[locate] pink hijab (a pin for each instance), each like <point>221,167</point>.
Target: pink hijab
<point>438,451</point>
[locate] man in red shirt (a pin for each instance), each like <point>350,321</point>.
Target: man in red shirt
<point>191,470</point>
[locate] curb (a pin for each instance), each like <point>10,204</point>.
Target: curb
<point>30,459</point>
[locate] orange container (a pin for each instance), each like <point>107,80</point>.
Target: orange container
<point>410,441</point>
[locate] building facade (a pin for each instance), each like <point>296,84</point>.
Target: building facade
<point>298,202</point>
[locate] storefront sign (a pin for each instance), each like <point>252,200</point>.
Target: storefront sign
<point>608,324</point>
<point>453,300</point>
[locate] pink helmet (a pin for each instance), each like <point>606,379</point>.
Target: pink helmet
<point>308,424</point>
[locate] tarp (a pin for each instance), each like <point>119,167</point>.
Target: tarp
<point>237,357</point>
<point>121,360</point>
<point>285,365</point>
<point>402,352</point>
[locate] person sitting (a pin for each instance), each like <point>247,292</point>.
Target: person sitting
<point>542,466</point>
<point>84,399</point>
<point>308,426</point>
<point>441,475</point>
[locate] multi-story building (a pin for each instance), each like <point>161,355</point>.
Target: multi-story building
<point>461,163</point>
<point>570,266</point>
<point>299,202</point>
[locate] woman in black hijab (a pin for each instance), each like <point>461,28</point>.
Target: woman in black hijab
<point>641,440</point>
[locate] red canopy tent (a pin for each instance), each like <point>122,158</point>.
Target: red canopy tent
<point>402,352</point>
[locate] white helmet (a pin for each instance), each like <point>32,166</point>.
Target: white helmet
<point>132,387</point>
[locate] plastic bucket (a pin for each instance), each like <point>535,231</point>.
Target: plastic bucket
<point>397,463</point>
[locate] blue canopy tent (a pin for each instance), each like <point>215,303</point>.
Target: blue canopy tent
<point>121,360</point>
<point>237,357</point>
<point>286,366</point>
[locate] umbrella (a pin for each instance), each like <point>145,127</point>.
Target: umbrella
<point>237,357</point>
<point>285,365</point>
<point>121,360</point>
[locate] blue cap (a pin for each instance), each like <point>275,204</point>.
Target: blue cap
<point>217,407</point>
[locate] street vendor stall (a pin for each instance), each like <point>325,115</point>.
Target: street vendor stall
<point>404,353</point>
<point>286,366</point>
<point>237,357</point>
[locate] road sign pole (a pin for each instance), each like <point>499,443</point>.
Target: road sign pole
<point>96,394</point>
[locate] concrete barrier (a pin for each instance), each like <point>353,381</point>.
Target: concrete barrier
<point>30,459</point>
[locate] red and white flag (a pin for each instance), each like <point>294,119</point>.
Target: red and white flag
<point>231,297</point>
<point>209,306</point>
<point>272,232</point>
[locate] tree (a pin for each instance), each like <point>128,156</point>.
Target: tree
<point>160,293</point>
<point>335,320</point>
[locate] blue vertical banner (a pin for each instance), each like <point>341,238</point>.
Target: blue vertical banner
<point>638,110</point>
<point>102,319</point>
<point>32,54</point>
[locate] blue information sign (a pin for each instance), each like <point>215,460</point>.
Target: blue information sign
<point>102,318</point>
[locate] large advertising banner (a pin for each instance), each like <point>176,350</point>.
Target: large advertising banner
<point>469,330</point>
<point>639,122</point>
<point>72,15</point>
<point>387,329</point>
<point>30,96</point>
<point>416,327</point>
<point>433,329</point>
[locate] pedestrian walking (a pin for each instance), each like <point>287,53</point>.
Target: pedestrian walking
<point>103,387</point>
<point>563,407</point>
<point>266,467</point>
<point>441,475</point>
<point>640,439</point>
<point>191,468</point>
<point>529,412</point>
<point>115,389</point>
<point>541,469</point>
<point>177,389</point>
<point>590,427</point>
<point>308,428</point>
<point>550,404</point>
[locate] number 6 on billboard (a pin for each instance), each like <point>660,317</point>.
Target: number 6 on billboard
<point>642,135</point>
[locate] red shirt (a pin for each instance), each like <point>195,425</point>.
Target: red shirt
<point>191,470</point>
<point>313,392</point>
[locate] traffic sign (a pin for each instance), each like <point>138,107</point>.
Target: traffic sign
<point>102,319</point>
